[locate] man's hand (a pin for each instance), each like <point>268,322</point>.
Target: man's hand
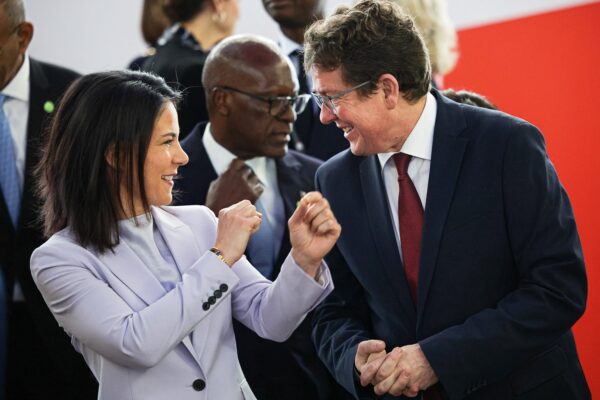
<point>405,371</point>
<point>313,232</point>
<point>369,356</point>
<point>237,183</point>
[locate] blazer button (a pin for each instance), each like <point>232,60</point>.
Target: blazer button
<point>223,288</point>
<point>218,294</point>
<point>205,306</point>
<point>212,300</point>
<point>199,385</point>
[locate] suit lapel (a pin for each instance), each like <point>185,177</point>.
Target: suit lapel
<point>289,181</point>
<point>382,231</point>
<point>446,159</point>
<point>129,269</point>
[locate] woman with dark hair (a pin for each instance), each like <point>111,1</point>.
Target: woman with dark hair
<point>147,292</point>
<point>199,25</point>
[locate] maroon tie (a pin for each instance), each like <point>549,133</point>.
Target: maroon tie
<point>410,216</point>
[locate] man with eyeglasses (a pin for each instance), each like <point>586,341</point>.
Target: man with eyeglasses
<point>41,362</point>
<point>241,153</point>
<point>459,272</point>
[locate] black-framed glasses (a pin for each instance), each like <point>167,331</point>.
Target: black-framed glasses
<point>277,105</point>
<point>329,101</point>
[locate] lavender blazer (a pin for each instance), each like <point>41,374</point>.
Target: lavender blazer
<point>142,342</point>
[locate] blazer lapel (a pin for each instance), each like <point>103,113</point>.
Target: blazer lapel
<point>130,270</point>
<point>446,159</point>
<point>179,239</point>
<point>382,231</point>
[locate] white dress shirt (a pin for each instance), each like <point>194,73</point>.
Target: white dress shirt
<point>16,108</point>
<point>419,145</point>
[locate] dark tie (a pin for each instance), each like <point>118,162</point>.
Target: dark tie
<point>304,121</point>
<point>410,217</point>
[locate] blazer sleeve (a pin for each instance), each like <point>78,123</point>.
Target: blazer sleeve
<point>91,311</point>
<point>552,289</point>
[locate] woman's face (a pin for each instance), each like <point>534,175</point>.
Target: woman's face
<point>163,158</point>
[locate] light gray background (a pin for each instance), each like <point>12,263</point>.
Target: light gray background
<point>94,35</point>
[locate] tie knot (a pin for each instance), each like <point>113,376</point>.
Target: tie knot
<point>401,160</point>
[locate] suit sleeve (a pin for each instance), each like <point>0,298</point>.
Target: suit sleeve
<point>341,322</point>
<point>552,289</point>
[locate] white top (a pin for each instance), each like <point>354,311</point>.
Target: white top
<point>419,145</point>
<point>16,108</point>
<point>266,171</point>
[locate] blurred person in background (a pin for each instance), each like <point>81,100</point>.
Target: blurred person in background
<point>41,363</point>
<point>200,25</point>
<point>468,97</point>
<point>154,23</point>
<point>433,23</point>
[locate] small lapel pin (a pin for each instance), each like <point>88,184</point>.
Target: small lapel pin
<point>49,106</point>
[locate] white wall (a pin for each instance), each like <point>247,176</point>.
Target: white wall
<point>93,35</point>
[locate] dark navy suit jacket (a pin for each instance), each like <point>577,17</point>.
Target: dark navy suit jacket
<point>289,370</point>
<point>64,373</point>
<point>502,276</point>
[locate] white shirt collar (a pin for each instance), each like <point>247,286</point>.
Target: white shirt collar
<point>419,142</point>
<point>288,45</point>
<point>18,87</point>
<point>220,157</point>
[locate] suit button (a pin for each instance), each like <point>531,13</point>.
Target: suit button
<point>218,294</point>
<point>223,288</point>
<point>212,300</point>
<point>205,306</point>
<point>199,385</point>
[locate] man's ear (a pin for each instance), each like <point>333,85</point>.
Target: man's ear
<point>391,90</point>
<point>25,33</point>
<point>221,101</point>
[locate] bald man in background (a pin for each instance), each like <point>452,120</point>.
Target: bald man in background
<point>242,154</point>
<point>41,362</point>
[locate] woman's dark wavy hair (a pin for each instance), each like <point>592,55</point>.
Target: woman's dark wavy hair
<point>183,10</point>
<point>102,116</point>
<point>367,40</point>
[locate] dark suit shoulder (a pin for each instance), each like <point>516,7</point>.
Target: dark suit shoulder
<point>304,159</point>
<point>50,77</point>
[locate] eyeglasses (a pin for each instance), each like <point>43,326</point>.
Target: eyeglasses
<point>277,105</point>
<point>329,101</point>
<point>15,29</point>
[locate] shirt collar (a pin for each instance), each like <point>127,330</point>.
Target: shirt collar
<point>419,142</point>
<point>220,157</point>
<point>288,45</point>
<point>18,87</point>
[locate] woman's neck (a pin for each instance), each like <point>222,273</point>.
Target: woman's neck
<point>204,30</point>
